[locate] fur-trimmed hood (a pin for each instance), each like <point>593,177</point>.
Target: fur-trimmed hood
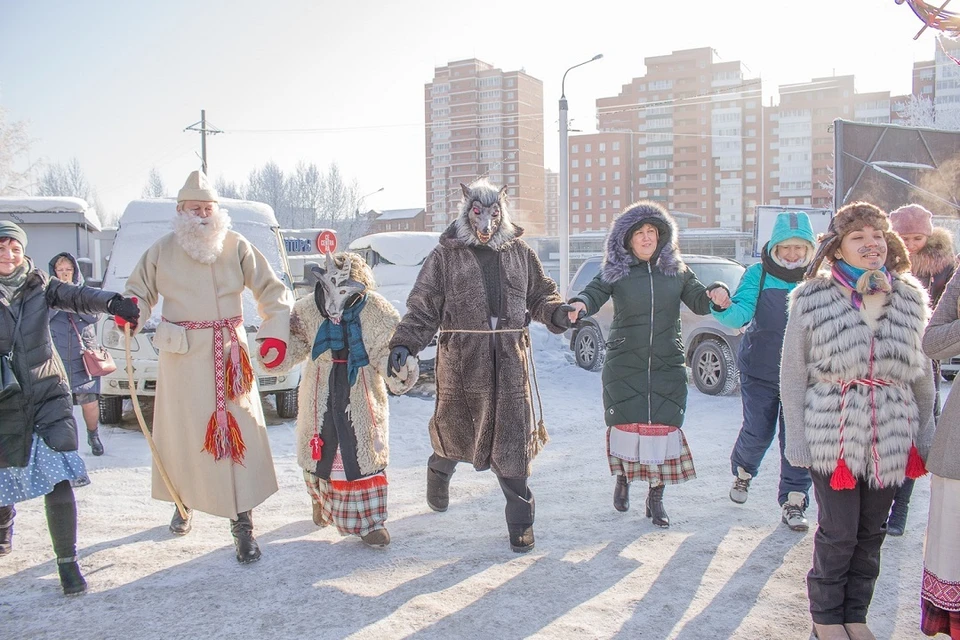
<point>618,258</point>
<point>935,256</point>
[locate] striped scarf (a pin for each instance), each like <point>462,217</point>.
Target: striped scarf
<point>861,281</point>
<point>330,336</point>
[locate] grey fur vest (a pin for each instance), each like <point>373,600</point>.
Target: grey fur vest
<point>852,392</point>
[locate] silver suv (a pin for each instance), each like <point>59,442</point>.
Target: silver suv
<point>710,347</point>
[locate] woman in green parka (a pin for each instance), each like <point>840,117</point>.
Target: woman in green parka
<point>644,377</point>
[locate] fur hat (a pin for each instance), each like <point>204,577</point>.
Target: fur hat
<point>198,187</point>
<point>852,217</point>
<point>912,218</point>
<point>12,230</point>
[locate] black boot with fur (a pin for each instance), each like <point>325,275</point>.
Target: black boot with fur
<point>242,529</point>
<point>521,537</point>
<point>621,494</point>
<point>70,577</point>
<point>6,529</point>
<point>438,490</point>
<point>655,508</point>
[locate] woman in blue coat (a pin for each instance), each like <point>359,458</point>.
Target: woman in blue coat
<point>761,302</point>
<point>72,333</point>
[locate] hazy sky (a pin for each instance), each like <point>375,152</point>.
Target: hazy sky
<point>115,83</point>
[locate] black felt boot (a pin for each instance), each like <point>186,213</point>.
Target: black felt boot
<point>6,529</point>
<point>621,494</point>
<point>655,508</point>
<point>93,439</point>
<point>521,537</point>
<point>242,529</point>
<point>180,526</point>
<point>438,490</point>
<point>70,577</point>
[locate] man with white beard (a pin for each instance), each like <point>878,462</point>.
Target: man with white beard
<point>208,422</point>
<point>761,301</point>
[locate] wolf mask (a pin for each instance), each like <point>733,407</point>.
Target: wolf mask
<point>484,219</point>
<point>335,290</point>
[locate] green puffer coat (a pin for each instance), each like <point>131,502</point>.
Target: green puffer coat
<point>644,377</point>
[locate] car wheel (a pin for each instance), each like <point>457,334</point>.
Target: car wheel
<point>714,368</point>
<point>948,375</point>
<point>287,404</point>
<point>588,349</point>
<point>111,409</point>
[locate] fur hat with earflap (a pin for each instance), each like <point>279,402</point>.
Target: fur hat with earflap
<point>852,217</point>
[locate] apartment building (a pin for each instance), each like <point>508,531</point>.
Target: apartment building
<point>601,172</point>
<point>551,203</point>
<point>484,122</point>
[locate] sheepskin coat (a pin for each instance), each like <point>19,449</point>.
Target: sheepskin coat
<point>935,263</point>
<point>941,341</point>
<point>369,406</point>
<point>484,412</point>
<point>828,343</point>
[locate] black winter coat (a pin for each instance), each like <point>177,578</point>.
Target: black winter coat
<point>45,405</point>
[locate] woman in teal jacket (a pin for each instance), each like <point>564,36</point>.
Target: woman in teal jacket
<point>761,302</point>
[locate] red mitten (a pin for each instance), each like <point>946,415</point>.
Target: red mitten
<point>273,343</point>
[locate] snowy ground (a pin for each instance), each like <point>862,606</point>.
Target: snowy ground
<point>720,571</point>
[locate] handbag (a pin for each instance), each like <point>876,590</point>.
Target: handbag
<point>97,361</point>
<point>9,385</point>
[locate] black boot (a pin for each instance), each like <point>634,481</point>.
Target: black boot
<point>897,522</point>
<point>70,577</point>
<point>181,526</point>
<point>93,439</point>
<point>621,494</point>
<point>242,529</point>
<point>655,508</point>
<point>438,490</point>
<point>521,537</point>
<point>6,529</point>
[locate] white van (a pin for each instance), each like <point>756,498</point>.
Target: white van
<point>142,223</point>
<point>396,258</point>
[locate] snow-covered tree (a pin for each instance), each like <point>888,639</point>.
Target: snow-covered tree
<point>65,181</point>
<point>920,111</point>
<point>269,186</point>
<point>228,188</point>
<point>14,144</point>
<point>305,189</point>
<point>154,187</point>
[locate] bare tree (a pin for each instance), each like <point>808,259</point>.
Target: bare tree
<point>14,143</point>
<point>267,185</point>
<point>154,187</point>
<point>305,189</point>
<point>65,181</point>
<point>227,188</point>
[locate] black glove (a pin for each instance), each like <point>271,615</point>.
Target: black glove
<point>398,358</point>
<point>125,308</point>
<point>560,317</point>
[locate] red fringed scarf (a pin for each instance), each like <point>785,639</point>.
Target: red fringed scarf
<point>234,379</point>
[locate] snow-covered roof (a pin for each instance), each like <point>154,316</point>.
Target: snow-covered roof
<point>398,214</point>
<point>164,209</point>
<point>400,247</point>
<point>50,204</point>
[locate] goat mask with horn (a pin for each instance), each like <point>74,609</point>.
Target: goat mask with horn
<point>336,289</point>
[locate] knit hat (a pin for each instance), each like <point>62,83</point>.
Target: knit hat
<point>11,230</point>
<point>852,217</point>
<point>198,187</point>
<point>912,218</point>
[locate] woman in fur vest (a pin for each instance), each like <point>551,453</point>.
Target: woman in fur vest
<point>644,379</point>
<point>932,262</point>
<point>857,393</point>
<point>343,332</point>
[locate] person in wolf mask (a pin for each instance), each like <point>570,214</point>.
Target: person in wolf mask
<point>343,332</point>
<point>857,393</point>
<point>480,287</point>
<point>932,262</point>
<point>208,421</point>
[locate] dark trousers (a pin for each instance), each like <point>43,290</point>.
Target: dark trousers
<point>852,524</point>
<point>520,503</point>
<point>761,414</point>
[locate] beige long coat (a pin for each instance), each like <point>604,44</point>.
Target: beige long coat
<point>186,390</point>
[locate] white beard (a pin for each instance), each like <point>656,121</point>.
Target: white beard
<point>202,238</point>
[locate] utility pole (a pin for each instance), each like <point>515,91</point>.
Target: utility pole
<point>202,128</point>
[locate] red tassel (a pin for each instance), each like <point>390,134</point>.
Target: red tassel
<point>378,480</point>
<point>842,477</point>
<point>915,467</point>
<point>316,446</point>
<point>239,385</point>
<point>222,441</point>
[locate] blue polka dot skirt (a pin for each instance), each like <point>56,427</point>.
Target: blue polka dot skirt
<point>45,468</point>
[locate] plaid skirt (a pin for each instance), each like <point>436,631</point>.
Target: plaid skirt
<point>355,508</point>
<point>671,471</point>
<point>934,620</point>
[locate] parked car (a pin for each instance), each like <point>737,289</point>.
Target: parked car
<point>396,258</point>
<point>949,368</point>
<point>710,347</point>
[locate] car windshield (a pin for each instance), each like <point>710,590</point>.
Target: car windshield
<point>728,273</point>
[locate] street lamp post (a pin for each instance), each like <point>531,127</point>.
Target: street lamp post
<point>356,217</point>
<point>565,183</point>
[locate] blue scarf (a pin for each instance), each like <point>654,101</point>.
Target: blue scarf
<point>877,281</point>
<point>330,336</point>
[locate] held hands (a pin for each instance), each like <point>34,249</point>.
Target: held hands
<point>398,360</point>
<point>720,298</point>
<point>276,344</point>
<point>561,316</point>
<point>575,311</point>
<point>125,311</point>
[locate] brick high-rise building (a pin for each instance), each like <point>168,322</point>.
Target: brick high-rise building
<point>484,122</point>
<point>600,178</point>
